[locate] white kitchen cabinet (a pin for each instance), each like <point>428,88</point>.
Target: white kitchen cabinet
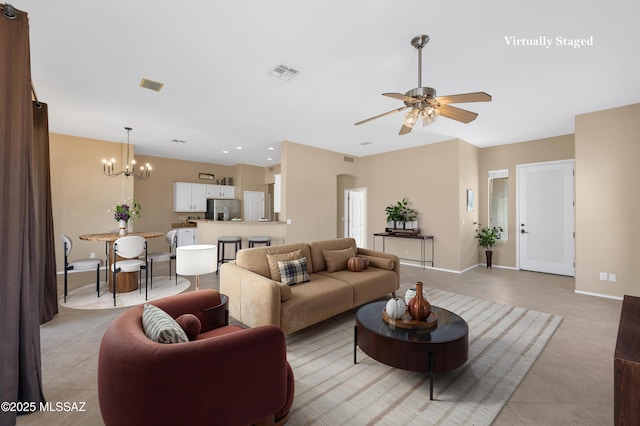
<point>189,197</point>
<point>221,191</point>
<point>187,236</point>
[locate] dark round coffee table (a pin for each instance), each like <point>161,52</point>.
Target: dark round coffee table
<point>438,349</point>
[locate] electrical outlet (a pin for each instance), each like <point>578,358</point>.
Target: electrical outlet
<point>612,277</point>
<point>288,221</point>
<point>92,255</point>
<point>603,276</point>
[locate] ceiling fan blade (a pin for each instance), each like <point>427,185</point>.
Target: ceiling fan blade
<point>402,97</point>
<point>404,129</point>
<point>465,97</point>
<point>457,114</point>
<point>381,115</point>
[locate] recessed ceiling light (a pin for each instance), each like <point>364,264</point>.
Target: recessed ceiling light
<point>284,72</point>
<point>271,148</point>
<point>151,85</point>
<point>269,159</point>
<point>238,147</point>
<point>225,151</point>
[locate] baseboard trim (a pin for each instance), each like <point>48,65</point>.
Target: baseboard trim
<point>604,296</point>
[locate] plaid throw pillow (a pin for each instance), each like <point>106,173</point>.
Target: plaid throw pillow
<point>294,271</point>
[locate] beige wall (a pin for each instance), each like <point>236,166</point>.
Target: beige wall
<point>468,160</point>
<point>607,201</point>
<point>428,176</point>
<point>309,187</point>
<point>507,157</point>
<point>82,194</point>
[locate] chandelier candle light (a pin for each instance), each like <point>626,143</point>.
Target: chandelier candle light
<point>108,166</point>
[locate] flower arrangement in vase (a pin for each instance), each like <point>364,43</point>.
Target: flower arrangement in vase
<point>124,211</point>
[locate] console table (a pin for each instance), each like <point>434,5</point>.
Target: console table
<point>422,238</point>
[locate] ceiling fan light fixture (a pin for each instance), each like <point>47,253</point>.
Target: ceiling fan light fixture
<point>429,115</point>
<point>411,117</point>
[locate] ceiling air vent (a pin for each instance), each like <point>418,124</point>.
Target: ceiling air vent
<point>284,72</point>
<point>349,159</point>
<point>151,85</point>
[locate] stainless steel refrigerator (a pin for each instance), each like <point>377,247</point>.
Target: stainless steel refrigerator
<point>218,209</point>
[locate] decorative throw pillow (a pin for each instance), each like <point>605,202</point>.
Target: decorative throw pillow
<point>160,327</point>
<point>337,259</point>
<point>190,324</point>
<point>294,271</point>
<point>274,258</point>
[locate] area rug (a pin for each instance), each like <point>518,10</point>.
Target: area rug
<point>86,297</point>
<point>504,342</point>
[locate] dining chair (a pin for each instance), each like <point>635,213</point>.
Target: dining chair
<point>78,265</point>
<point>172,239</point>
<point>126,252</point>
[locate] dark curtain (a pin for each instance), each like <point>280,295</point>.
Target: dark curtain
<point>21,274</point>
<point>48,294</point>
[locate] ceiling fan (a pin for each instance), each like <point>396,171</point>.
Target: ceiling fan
<point>424,103</point>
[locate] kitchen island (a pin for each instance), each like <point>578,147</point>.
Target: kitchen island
<point>210,230</point>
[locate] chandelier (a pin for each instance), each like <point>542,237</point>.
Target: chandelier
<point>129,170</point>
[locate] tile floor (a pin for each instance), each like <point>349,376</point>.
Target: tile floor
<point>571,383</point>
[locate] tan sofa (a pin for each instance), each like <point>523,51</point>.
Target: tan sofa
<point>256,299</point>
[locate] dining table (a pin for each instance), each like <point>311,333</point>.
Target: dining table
<point>127,281</point>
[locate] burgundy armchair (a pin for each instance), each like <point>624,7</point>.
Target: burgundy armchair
<point>228,375</point>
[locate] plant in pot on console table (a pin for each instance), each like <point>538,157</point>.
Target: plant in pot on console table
<point>487,238</point>
<point>399,214</point>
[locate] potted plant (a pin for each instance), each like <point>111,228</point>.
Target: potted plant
<point>399,213</point>
<point>487,238</point>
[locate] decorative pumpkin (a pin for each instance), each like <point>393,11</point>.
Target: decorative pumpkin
<point>365,263</point>
<point>355,264</point>
<point>396,308</point>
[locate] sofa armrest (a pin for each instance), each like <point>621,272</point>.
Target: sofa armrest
<point>374,253</point>
<point>254,300</point>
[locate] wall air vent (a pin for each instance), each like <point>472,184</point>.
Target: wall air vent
<point>284,72</point>
<point>151,85</point>
<point>349,159</point>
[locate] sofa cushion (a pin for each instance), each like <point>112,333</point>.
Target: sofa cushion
<point>160,327</point>
<point>337,260</point>
<point>369,284</point>
<point>190,324</point>
<point>275,258</point>
<point>379,262</point>
<point>321,298</point>
<point>294,271</point>
<point>316,248</point>
<point>255,259</point>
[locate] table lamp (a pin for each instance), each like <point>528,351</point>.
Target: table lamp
<point>196,260</point>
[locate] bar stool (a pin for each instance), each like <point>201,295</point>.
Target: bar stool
<point>259,240</point>
<point>222,241</point>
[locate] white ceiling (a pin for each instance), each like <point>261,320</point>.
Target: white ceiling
<point>215,59</point>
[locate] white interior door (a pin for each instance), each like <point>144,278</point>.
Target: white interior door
<point>355,224</point>
<point>253,205</point>
<point>545,228</point>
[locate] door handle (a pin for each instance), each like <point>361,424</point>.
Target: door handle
<point>522,231</point>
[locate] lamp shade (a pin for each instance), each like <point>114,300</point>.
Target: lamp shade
<point>197,259</point>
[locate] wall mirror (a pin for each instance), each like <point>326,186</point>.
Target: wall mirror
<point>499,201</point>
